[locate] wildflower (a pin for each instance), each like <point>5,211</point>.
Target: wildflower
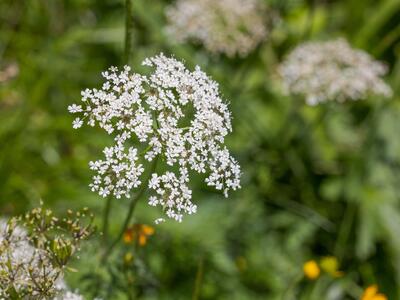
<point>225,26</point>
<point>330,265</point>
<point>371,293</point>
<point>119,172</point>
<point>333,71</point>
<point>311,269</point>
<point>128,257</point>
<point>159,220</point>
<point>74,108</point>
<point>139,233</point>
<point>9,72</point>
<point>77,123</point>
<point>173,113</point>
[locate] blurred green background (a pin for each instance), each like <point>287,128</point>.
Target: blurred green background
<point>317,181</point>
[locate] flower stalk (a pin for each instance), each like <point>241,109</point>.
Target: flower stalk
<point>106,217</point>
<point>128,31</point>
<point>131,209</point>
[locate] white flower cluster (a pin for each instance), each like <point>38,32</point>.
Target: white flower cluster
<point>332,70</point>
<point>175,114</point>
<point>118,173</point>
<point>224,26</point>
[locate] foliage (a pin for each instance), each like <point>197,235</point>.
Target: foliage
<point>317,181</point>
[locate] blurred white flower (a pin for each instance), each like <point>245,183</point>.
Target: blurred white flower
<point>173,113</point>
<point>332,70</point>
<point>224,26</point>
<point>68,295</point>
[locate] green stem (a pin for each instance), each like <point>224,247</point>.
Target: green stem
<point>308,213</point>
<point>310,21</point>
<point>106,218</point>
<point>131,209</point>
<point>345,229</point>
<point>128,31</point>
<point>291,289</point>
<point>199,279</point>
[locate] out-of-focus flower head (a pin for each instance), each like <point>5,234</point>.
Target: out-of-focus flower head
<point>138,233</point>
<point>224,26</point>
<point>68,295</point>
<point>311,269</point>
<point>371,293</point>
<point>330,265</point>
<point>175,114</point>
<point>9,72</point>
<point>332,70</point>
<point>128,258</point>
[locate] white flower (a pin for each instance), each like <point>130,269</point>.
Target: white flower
<point>225,172</point>
<point>74,108</point>
<point>159,220</point>
<point>77,123</point>
<point>118,173</point>
<point>173,113</point>
<point>224,26</point>
<point>323,71</point>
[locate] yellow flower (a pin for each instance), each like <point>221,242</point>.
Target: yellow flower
<point>128,236</point>
<point>311,270</point>
<point>371,293</point>
<point>139,233</point>
<point>128,258</point>
<point>330,265</point>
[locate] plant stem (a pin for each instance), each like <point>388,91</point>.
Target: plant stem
<point>199,279</point>
<point>345,229</point>
<point>128,31</point>
<point>131,209</point>
<point>106,217</point>
<point>291,289</point>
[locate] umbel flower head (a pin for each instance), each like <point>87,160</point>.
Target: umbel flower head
<point>332,70</point>
<point>172,114</point>
<point>224,26</point>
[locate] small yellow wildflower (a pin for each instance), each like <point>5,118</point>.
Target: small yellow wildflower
<point>330,265</point>
<point>371,293</point>
<point>128,258</point>
<point>139,233</point>
<point>311,270</point>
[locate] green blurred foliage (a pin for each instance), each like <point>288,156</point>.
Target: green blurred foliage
<point>316,181</point>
